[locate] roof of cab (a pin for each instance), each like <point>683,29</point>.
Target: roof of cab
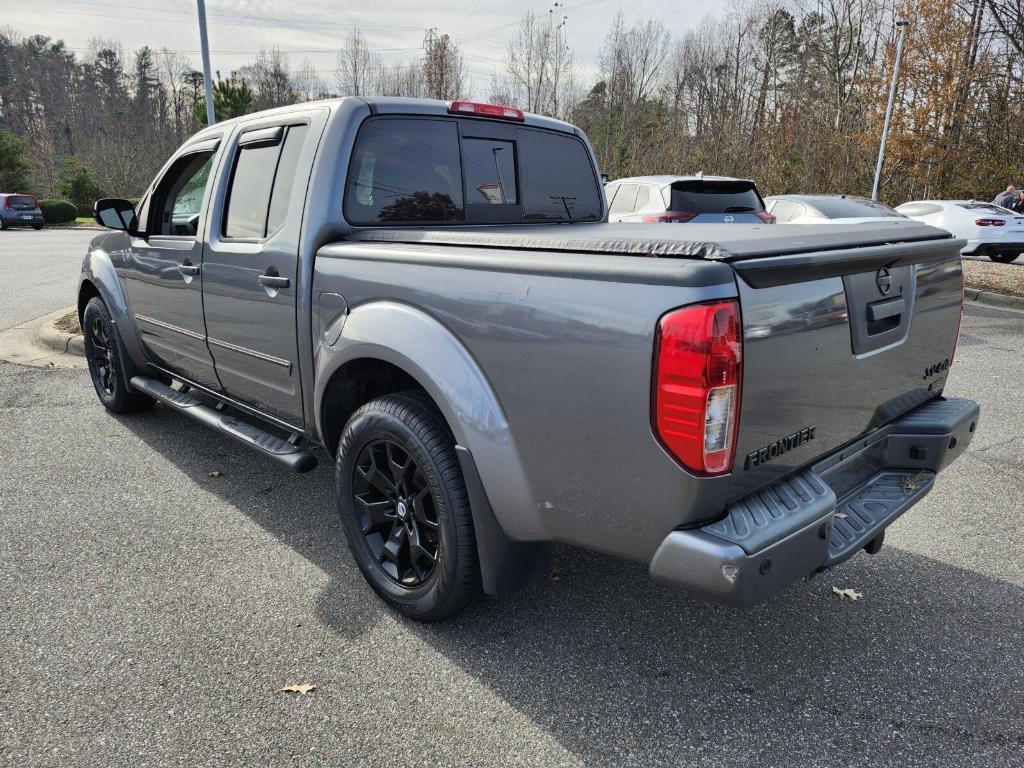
<point>393,105</point>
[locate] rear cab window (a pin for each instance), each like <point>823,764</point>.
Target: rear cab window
<point>710,196</point>
<point>427,170</point>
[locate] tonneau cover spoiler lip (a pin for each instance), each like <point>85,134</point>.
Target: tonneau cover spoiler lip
<point>804,267</point>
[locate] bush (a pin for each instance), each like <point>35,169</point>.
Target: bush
<point>78,184</point>
<point>134,201</point>
<point>58,211</point>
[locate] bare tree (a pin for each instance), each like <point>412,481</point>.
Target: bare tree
<point>357,66</point>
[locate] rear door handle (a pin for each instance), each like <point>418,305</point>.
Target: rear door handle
<point>274,281</point>
<point>188,269</point>
<point>883,310</point>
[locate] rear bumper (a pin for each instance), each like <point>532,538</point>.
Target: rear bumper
<point>16,218</point>
<point>985,247</point>
<point>820,516</point>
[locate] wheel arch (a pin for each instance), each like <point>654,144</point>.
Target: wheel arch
<point>388,347</point>
<point>99,278</point>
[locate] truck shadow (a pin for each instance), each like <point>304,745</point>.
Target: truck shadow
<point>621,671</point>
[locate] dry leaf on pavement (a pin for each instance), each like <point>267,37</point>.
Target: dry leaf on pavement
<point>849,592</point>
<point>216,473</point>
<point>303,689</point>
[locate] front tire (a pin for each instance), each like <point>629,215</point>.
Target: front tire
<point>1004,258</point>
<point>103,353</point>
<point>403,502</point>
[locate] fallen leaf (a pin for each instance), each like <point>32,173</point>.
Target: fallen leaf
<point>216,473</point>
<point>302,689</point>
<point>841,515</point>
<point>849,592</point>
<point>911,482</point>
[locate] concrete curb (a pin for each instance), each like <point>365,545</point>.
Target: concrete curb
<point>60,341</point>
<point>993,299</point>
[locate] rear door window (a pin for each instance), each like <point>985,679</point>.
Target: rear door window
<point>699,196</point>
<point>22,202</point>
<point>559,180</point>
<point>405,170</point>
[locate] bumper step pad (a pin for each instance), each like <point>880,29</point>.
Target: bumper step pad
<point>820,516</point>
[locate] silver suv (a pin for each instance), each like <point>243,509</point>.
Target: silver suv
<point>679,199</point>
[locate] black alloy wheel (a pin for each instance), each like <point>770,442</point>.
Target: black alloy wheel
<point>404,505</point>
<point>396,512</point>
<point>103,354</point>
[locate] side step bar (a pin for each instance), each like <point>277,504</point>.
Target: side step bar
<point>270,445</point>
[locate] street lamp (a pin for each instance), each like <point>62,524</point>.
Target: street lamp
<point>205,46</point>
<point>902,24</point>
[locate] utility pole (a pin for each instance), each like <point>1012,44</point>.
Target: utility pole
<point>205,45</point>
<point>902,24</point>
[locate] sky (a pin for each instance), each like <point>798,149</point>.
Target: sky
<point>313,29</point>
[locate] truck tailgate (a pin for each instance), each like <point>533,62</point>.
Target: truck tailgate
<point>837,344</point>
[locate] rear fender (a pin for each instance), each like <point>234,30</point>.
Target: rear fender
<point>426,350</point>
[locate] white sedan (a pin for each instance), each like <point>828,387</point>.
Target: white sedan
<point>989,230</point>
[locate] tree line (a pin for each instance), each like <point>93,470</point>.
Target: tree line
<point>791,93</point>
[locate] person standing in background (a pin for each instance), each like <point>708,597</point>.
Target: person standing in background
<point>1008,198</point>
<point>1018,204</point>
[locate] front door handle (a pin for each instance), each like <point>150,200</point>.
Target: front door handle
<point>274,281</point>
<point>189,270</point>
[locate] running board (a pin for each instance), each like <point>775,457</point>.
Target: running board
<point>248,434</point>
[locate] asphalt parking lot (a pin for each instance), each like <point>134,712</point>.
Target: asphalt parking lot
<point>150,612</point>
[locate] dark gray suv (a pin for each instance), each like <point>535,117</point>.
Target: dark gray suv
<point>20,211</point>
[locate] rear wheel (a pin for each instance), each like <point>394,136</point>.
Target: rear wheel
<point>404,506</point>
<point>106,367</point>
<point>1003,258</point>
<point>37,227</point>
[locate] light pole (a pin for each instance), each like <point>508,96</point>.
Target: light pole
<point>205,46</point>
<point>902,24</point>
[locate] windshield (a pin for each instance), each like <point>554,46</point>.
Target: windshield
<point>852,207</point>
<point>716,197</point>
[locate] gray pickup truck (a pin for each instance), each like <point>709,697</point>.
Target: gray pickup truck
<point>430,293</point>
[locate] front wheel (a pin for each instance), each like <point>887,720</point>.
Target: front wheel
<point>1003,258</point>
<point>105,365</point>
<point>403,503</point>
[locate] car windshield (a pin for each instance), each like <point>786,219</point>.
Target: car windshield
<point>716,197</point>
<point>852,207</point>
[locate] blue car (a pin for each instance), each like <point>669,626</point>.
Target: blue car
<point>19,211</point>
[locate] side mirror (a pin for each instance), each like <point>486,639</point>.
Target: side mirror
<point>116,213</point>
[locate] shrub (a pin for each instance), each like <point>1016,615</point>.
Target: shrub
<point>58,211</point>
<point>78,184</point>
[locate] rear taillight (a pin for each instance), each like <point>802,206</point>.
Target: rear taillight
<point>669,217</point>
<point>486,110</point>
<point>766,217</point>
<point>989,222</point>
<point>697,385</point>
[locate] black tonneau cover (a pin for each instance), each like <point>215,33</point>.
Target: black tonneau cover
<point>763,254</point>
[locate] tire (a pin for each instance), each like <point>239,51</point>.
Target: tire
<point>37,227</point>
<point>387,510</point>
<point>1003,258</point>
<point>3,226</point>
<point>106,367</point>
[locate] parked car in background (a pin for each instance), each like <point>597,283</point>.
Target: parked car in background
<point>679,199</point>
<point>990,230</point>
<point>19,211</point>
<point>822,209</point>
